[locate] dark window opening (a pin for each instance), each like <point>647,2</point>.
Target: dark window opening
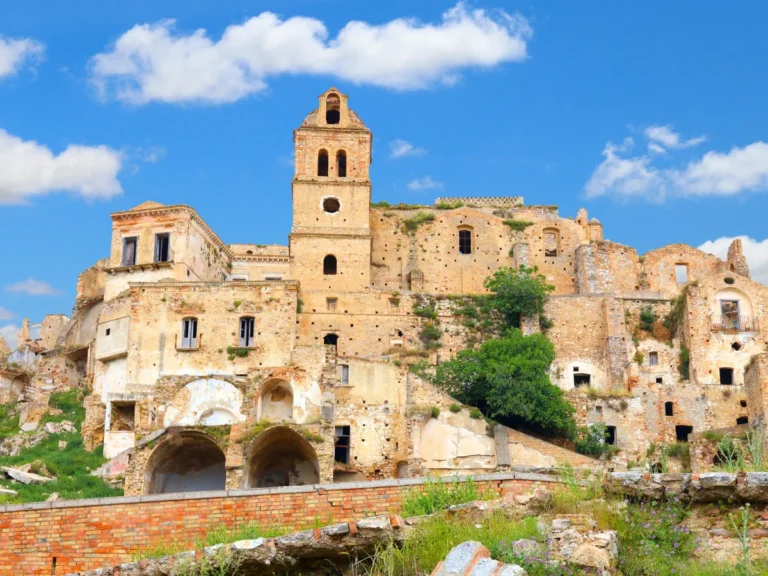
<point>465,242</point>
<point>681,433</point>
<point>742,420</point>
<point>331,339</point>
<point>329,265</point>
<point>659,380</point>
<point>107,332</point>
<point>580,380</point>
<point>332,109</point>
<point>189,333</point>
<point>342,445</point>
<point>743,403</point>
<point>341,163</point>
<point>736,346</point>
<point>162,247</point>
<point>575,368</point>
<point>653,358</point>
<point>246,331</point>
<point>669,409</point>
<point>610,435</point>
<point>129,251</point>
<point>123,417</point>
<point>331,205</point>
<point>322,163</point>
<point>726,376</point>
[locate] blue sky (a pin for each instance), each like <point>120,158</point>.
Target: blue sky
<point>650,115</point>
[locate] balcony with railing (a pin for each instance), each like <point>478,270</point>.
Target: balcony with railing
<point>735,324</point>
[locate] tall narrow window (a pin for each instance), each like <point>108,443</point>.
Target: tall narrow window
<point>129,251</point>
<point>551,242</point>
<point>341,163</point>
<point>246,331</point>
<point>669,409</point>
<point>730,311</point>
<point>332,109</point>
<point>330,304</point>
<point>162,247</point>
<point>345,374</point>
<point>189,333</point>
<point>610,435</point>
<point>322,163</point>
<point>681,273</point>
<point>653,358</point>
<point>329,265</point>
<point>465,242</point>
<point>342,444</point>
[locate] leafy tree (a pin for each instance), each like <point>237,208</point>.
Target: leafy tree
<point>517,292</point>
<point>508,379</point>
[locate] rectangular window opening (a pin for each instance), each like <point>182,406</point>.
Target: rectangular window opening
<point>580,380</point>
<point>342,445</point>
<point>726,376</point>
<point>330,304</point>
<point>465,242</point>
<point>246,332</point>
<point>610,435</point>
<point>189,333</point>
<point>129,251</point>
<point>123,417</point>
<point>344,374</point>
<point>682,432</point>
<point>163,247</point>
<point>653,358</point>
<point>681,273</point>
<point>669,409</point>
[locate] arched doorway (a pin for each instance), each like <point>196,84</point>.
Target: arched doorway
<point>281,457</point>
<point>186,462</point>
<point>276,401</point>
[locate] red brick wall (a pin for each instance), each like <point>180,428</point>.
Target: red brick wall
<point>83,534</point>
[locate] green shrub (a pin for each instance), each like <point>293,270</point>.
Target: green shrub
<point>445,205</point>
<point>647,319</point>
<point>518,225</point>
<point>685,362</point>
<point>517,292</point>
<point>455,408</point>
<point>412,224</point>
<point>638,357</point>
<point>590,440</point>
<point>236,352</point>
<point>436,495</point>
<point>434,411</point>
<point>475,413</point>
<point>430,336</point>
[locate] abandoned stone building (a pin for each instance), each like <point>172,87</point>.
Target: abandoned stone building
<point>217,365</point>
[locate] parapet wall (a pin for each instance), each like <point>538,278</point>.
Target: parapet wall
<point>73,536</point>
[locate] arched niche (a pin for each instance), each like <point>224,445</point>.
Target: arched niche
<point>185,462</point>
<point>207,402</point>
<point>280,457</point>
<point>275,402</point>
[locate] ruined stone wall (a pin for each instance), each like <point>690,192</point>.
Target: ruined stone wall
<point>658,271</point>
<point>157,311</point>
<point>91,282</point>
<point>756,392</point>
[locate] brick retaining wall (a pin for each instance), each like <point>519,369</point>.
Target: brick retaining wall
<point>86,534</point>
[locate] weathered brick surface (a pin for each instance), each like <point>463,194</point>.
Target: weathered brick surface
<point>82,535</point>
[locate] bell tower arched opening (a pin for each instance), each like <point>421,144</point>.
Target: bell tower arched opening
<point>332,108</point>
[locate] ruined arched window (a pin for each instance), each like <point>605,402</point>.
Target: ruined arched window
<point>465,241</point>
<point>329,265</point>
<point>187,462</point>
<point>332,109</point>
<point>322,163</point>
<point>551,242</point>
<point>669,409</point>
<point>341,163</point>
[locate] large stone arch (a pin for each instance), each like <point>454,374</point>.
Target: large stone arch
<point>281,457</point>
<point>187,461</point>
<point>207,402</point>
<point>276,400</point>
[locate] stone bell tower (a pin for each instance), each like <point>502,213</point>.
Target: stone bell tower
<point>331,236</point>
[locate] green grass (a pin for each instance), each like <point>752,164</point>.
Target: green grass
<point>518,225</point>
<point>411,224</point>
<point>9,425</point>
<point>435,495</point>
<point>71,466</point>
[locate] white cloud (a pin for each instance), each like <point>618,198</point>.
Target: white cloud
<point>154,62</point>
<point>399,148</point>
<point>5,314</point>
<point>755,251</point>
<point>628,177</point>
<point>624,175</point>
<point>10,333</point>
<point>14,53</point>
<point>426,183</point>
<point>33,287</point>
<point>30,169</point>
<point>666,136</point>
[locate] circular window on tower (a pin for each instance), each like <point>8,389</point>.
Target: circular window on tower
<point>331,205</point>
